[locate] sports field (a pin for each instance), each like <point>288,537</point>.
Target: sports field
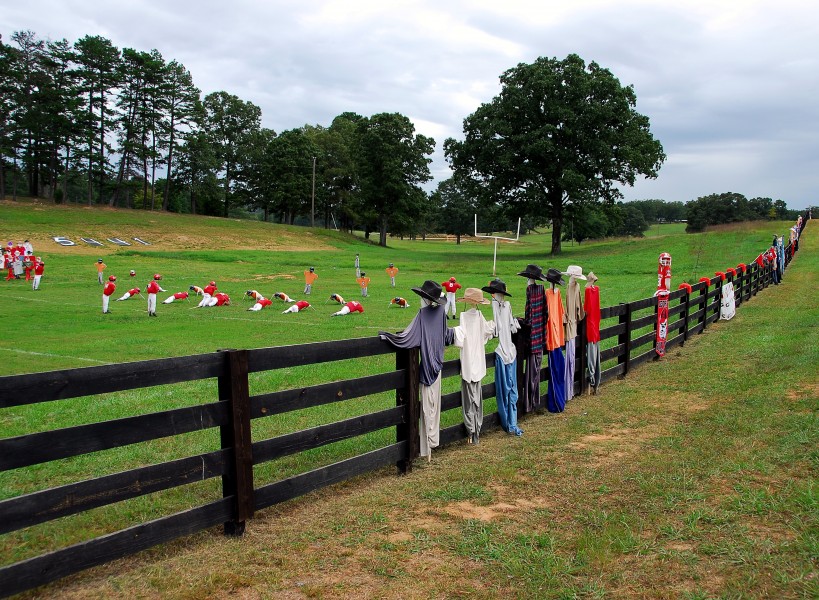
<point>695,477</point>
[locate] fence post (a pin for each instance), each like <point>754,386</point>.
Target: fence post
<point>685,299</point>
<point>580,357</point>
<point>718,298</point>
<point>519,339</point>
<point>704,306</point>
<point>235,435</point>
<point>408,397</point>
<point>625,339</point>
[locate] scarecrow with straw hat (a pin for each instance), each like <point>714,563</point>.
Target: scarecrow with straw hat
<point>471,337</point>
<point>506,378</point>
<point>574,313</point>
<point>428,332</point>
<point>535,319</point>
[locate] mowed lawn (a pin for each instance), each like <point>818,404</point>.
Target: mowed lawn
<point>694,477</point>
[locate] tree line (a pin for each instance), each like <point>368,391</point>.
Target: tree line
<point>89,122</point>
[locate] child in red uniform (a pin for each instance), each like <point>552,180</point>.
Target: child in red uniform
<point>106,293</point>
<point>298,307</point>
<point>451,287</point>
<point>349,307</point>
<point>176,296</point>
<point>220,299</point>
<point>39,268</point>
<point>152,290</point>
<point>207,292</point>
<point>261,302</point>
<point>129,294</point>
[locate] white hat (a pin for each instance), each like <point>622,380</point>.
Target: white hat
<point>575,271</point>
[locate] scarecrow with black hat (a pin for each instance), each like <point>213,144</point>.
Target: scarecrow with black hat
<point>428,332</point>
<point>555,340</point>
<point>506,377</point>
<point>535,317</point>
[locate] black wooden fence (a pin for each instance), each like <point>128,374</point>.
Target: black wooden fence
<point>631,326</point>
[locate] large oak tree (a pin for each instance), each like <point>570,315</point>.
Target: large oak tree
<point>559,133</point>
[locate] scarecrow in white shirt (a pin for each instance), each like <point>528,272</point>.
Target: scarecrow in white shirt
<point>471,337</point>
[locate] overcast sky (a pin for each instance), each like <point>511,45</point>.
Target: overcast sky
<point>731,87</point>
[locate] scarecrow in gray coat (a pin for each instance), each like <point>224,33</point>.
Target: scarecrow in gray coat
<point>427,331</point>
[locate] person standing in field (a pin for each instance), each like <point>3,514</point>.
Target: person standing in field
<point>100,268</point>
<point>39,269</point>
<point>364,283</point>
<point>152,289</point>
<point>309,277</point>
<point>357,267</point>
<point>392,271</point>
<point>451,287</point>
<point>109,289</point>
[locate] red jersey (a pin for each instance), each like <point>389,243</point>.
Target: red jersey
<point>222,299</point>
<point>180,295</point>
<point>152,288</point>
<point>210,289</point>
<point>133,292</point>
<point>265,302</point>
<point>109,288</point>
<point>38,270</point>
<point>592,308</point>
<point>451,286</point>
<point>354,306</point>
<point>302,304</point>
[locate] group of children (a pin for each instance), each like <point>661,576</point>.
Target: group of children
<point>20,262</point>
<point>546,325</point>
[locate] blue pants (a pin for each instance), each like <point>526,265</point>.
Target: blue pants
<point>506,393</point>
<point>556,391</point>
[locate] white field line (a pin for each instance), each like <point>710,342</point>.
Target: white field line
<point>100,362</point>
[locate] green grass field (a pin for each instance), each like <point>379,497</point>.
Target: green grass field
<point>685,480</point>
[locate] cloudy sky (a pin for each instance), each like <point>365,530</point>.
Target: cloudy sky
<point>731,87</point>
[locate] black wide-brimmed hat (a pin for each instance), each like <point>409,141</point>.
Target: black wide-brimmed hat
<point>431,290</point>
<point>496,286</point>
<point>555,276</point>
<point>533,272</point>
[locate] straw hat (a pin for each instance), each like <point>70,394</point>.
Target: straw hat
<point>473,296</point>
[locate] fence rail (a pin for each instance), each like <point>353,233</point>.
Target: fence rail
<point>631,326</point>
